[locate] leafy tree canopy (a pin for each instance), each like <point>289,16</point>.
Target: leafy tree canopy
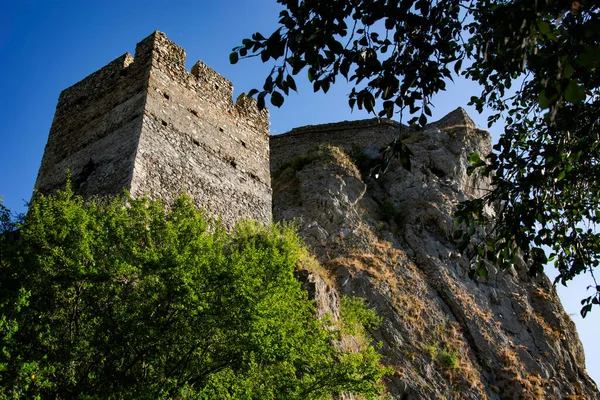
<point>537,63</point>
<point>130,300</point>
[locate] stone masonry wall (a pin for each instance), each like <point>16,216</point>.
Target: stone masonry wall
<point>95,131</point>
<point>368,135</point>
<point>147,125</point>
<point>196,139</point>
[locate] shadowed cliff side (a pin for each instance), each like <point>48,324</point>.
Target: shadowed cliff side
<point>390,241</point>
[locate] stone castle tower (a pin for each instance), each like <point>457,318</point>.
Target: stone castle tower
<point>146,124</point>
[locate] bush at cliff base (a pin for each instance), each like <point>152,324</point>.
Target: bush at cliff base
<point>130,299</point>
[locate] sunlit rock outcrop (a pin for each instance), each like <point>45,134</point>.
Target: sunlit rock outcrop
<point>390,241</point>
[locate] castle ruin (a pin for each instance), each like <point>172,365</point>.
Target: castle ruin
<point>147,125</point>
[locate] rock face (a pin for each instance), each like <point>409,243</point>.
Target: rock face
<point>390,241</point>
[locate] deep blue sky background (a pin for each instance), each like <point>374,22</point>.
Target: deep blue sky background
<point>48,45</point>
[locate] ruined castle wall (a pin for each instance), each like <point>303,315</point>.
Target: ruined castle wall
<point>95,131</point>
<point>195,139</point>
<point>368,135</point>
<point>148,125</point>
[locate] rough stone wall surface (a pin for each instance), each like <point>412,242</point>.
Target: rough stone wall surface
<point>146,124</point>
<point>390,241</point>
<point>95,131</point>
<point>368,135</point>
<point>195,138</point>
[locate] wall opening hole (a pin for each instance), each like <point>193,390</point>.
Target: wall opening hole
<point>81,179</point>
<point>243,143</point>
<point>81,100</point>
<point>164,123</point>
<point>230,160</point>
<point>166,96</point>
<point>194,112</point>
<point>221,129</point>
<point>196,142</point>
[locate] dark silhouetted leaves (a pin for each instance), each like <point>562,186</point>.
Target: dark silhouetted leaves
<point>276,99</point>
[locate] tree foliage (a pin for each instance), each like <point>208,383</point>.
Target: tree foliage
<point>127,299</point>
<point>537,63</point>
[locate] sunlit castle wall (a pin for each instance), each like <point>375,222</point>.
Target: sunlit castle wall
<point>146,124</point>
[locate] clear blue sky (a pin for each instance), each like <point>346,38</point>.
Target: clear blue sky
<point>48,45</point>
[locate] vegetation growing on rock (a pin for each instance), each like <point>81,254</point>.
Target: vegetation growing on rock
<point>130,299</point>
<point>390,241</point>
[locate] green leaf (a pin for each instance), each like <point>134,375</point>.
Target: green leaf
<point>405,161</point>
<point>260,100</point>
<point>427,110</point>
<point>276,99</point>
<point>265,55</point>
<point>545,28</point>
<point>482,271</point>
<point>457,66</point>
<point>258,36</point>
<point>233,57</point>
<point>369,102</point>
<point>567,70</point>
<point>474,158</point>
<point>574,93</point>
<point>291,83</point>
<point>585,310</point>
<point>590,58</point>
<point>544,101</point>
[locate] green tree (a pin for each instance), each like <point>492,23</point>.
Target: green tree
<point>129,299</point>
<point>537,63</point>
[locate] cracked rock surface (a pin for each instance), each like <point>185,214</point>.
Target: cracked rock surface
<point>389,241</point>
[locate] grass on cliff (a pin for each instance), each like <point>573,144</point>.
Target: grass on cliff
<point>133,299</point>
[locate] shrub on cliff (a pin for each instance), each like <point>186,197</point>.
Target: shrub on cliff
<point>130,299</point>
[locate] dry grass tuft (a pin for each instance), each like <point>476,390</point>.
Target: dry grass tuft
<point>517,382</point>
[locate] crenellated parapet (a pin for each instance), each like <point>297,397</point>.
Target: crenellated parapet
<point>168,63</point>
<point>214,86</point>
<point>158,50</point>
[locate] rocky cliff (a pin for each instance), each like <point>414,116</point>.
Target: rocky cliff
<point>390,241</point>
